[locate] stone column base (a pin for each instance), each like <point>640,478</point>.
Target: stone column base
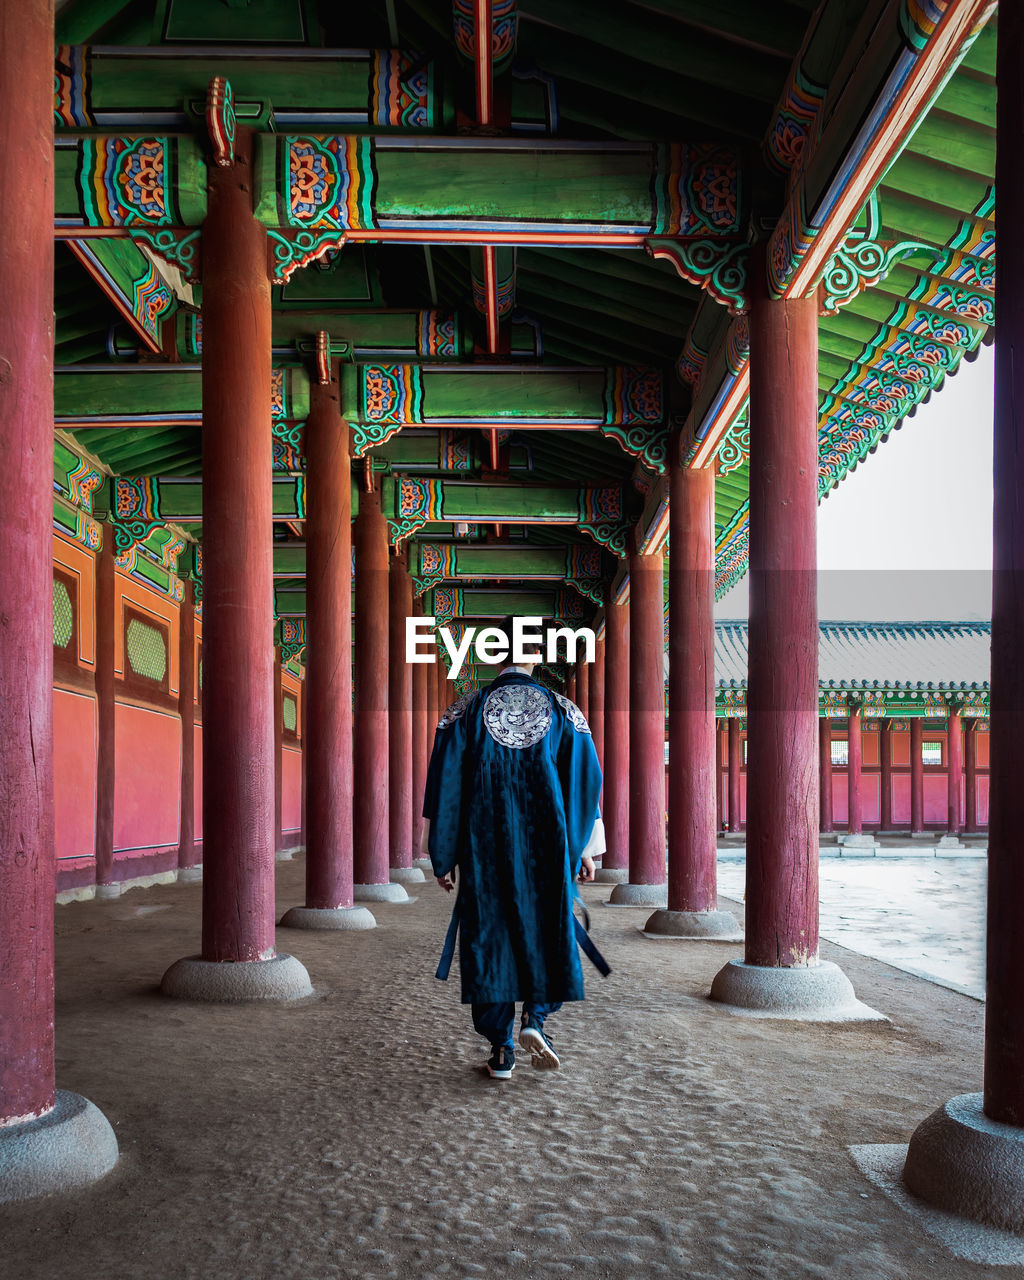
<point>327,918</point>
<point>379,893</point>
<point>425,865</point>
<point>961,1161</point>
<point>949,842</point>
<point>407,875</point>
<point>611,875</point>
<point>281,977</point>
<point>68,1148</point>
<point>639,895</point>
<point>818,992</point>
<point>191,875</point>
<point>859,840</point>
<point>720,925</point>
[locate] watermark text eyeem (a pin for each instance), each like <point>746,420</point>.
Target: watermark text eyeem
<point>530,642</point>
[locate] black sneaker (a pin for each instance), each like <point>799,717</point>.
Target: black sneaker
<point>501,1063</point>
<point>541,1050</point>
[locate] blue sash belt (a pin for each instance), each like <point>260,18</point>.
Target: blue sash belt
<point>583,938</point>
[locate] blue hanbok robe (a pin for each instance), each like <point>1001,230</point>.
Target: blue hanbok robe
<point>512,797</point>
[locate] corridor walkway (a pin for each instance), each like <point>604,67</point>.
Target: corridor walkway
<point>350,1135</point>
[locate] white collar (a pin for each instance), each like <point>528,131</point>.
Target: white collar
<point>513,670</point>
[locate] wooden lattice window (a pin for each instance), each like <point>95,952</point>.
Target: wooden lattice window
<point>931,753</point>
<point>65,623</point>
<point>63,615</point>
<point>840,748</point>
<point>290,714</point>
<point>146,651</point>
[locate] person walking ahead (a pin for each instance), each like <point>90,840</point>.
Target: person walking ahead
<point>512,801</point>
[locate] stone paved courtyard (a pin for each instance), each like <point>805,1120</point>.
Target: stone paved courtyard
<point>351,1135</point>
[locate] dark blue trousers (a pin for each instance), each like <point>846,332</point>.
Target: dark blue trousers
<point>496,1022</point>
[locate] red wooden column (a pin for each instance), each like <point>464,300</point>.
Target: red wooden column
<point>371,805</point>
<point>33,1115</point>
<point>735,764</point>
<point>278,751</point>
<point>692,837</point>
<point>570,689</point>
<point>583,688</point>
<point>970,775</point>
<point>327,692</point>
<point>885,780</point>
<point>596,712</point>
<point>400,749</point>
<point>647,875</point>
<point>105,624</point>
<point>782,972</point>
<point>615,865</point>
<point>955,769</point>
<point>238,621</point>
<point>421,728</point>
<point>187,712</point>
<point>854,761</point>
<point>433,698</point>
<point>965,1156</point>
<point>916,776</point>
<point>719,780</point>
<point>825,821</point>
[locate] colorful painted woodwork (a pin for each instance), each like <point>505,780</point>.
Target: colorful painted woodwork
<point>351,88</point>
<point>412,502</point>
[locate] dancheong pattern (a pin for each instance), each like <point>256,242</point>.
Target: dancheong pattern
<point>632,396</point>
<point>436,335</point>
<point>123,182</point>
<point>696,191</point>
<point>136,510</point>
<point>504,29</point>
<point>330,182</point>
<point>392,393</point>
<point>71,87</point>
<point>400,89</point>
<point>794,122</point>
<point>455,451</point>
<point>151,301</point>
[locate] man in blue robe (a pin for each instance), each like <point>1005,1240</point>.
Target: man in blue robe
<point>512,801</point>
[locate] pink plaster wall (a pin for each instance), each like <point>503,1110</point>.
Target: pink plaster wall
<point>147,778</point>
<point>74,760</point>
<point>197,799</point>
<point>291,789</point>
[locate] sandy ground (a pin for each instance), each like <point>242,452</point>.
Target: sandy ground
<point>352,1135</point>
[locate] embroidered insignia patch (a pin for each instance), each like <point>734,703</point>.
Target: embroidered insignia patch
<point>576,717</point>
<point>456,711</point>
<point>517,716</point>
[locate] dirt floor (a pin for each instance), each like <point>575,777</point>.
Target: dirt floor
<point>352,1134</point>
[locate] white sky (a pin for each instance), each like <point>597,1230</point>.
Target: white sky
<point>908,535</point>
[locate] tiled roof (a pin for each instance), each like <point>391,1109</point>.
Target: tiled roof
<point>877,655</point>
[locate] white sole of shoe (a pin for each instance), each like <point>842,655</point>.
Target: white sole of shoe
<point>541,1054</point>
<point>500,1075</point>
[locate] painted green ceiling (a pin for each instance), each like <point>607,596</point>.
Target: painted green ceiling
<point>617,70</point>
